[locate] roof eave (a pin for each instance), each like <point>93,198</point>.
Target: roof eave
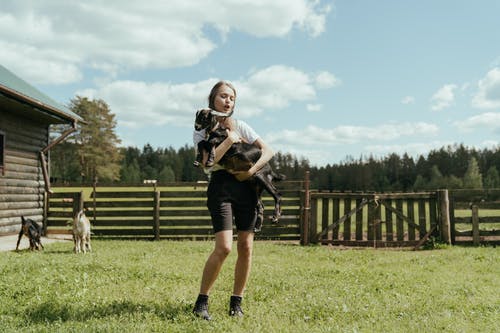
<point>37,104</point>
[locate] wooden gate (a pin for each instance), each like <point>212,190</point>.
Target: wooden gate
<point>373,219</point>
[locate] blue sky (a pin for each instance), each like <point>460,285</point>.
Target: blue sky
<point>322,80</point>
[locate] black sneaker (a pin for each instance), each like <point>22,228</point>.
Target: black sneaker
<point>235,307</point>
<point>201,310</point>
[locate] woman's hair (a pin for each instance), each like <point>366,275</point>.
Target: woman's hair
<point>215,89</point>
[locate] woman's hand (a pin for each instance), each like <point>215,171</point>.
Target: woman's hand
<point>233,136</point>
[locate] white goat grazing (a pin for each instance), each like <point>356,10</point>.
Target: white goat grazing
<point>81,233</point>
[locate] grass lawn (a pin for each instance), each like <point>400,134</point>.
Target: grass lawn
<point>139,286</point>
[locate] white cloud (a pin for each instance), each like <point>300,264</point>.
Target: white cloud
<point>488,95</point>
<point>325,80</point>
<point>443,98</point>
<point>274,87</point>
<point>139,104</point>
<point>313,135</point>
<point>314,107</point>
<point>54,42</point>
<point>490,144</point>
<point>412,149</point>
<point>408,100</point>
<point>481,122</point>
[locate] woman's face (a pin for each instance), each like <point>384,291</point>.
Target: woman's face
<point>224,99</point>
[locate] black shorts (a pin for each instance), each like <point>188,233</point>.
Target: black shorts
<point>230,199</point>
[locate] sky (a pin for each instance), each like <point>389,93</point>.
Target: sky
<point>324,80</point>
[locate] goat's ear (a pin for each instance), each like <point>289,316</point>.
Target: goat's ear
<point>23,220</point>
<point>198,113</point>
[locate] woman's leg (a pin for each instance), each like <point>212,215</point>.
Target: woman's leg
<point>244,262</point>
<point>223,244</point>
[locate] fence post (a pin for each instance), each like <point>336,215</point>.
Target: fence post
<point>81,202</point>
<point>304,235</point>
<point>77,203</point>
<point>45,212</point>
<point>156,215</point>
<point>94,201</point>
<point>475,225</point>
<point>444,213</point>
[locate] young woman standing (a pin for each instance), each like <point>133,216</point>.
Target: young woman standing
<point>230,197</point>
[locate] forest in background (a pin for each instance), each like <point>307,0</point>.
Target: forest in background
<point>93,154</point>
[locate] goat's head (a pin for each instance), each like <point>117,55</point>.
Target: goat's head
<point>204,120</point>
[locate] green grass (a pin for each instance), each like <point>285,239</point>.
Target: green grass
<point>134,286</point>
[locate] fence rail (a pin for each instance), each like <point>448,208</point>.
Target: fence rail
<point>351,219</point>
<point>475,216</point>
<point>177,212</point>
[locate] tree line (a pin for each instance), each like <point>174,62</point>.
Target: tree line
<point>93,154</point>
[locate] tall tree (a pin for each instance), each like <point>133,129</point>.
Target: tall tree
<point>473,177</point>
<point>492,179</point>
<point>96,140</point>
<point>437,180</point>
<point>64,163</point>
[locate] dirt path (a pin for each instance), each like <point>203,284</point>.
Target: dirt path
<point>8,243</point>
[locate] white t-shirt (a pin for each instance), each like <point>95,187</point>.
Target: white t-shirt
<point>244,131</point>
<point>241,128</point>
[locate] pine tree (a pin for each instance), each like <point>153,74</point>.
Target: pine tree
<point>97,142</point>
<point>492,179</point>
<point>420,183</point>
<point>131,174</point>
<point>473,177</point>
<point>166,174</point>
<point>437,179</point>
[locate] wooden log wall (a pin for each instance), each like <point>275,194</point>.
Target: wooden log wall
<point>22,186</point>
<point>176,212</point>
<point>475,216</point>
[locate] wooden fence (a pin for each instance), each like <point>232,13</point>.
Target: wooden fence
<point>475,216</point>
<point>174,212</point>
<point>179,211</point>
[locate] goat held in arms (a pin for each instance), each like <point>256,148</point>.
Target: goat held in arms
<point>240,157</point>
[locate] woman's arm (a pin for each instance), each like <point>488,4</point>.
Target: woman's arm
<point>221,149</point>
<point>267,154</point>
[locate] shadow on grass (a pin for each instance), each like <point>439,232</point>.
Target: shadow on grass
<point>54,311</point>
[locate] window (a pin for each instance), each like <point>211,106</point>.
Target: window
<point>2,153</point>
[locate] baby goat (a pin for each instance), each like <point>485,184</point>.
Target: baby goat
<point>81,233</point>
<point>33,231</point>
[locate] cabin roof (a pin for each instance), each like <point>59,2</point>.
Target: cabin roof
<point>16,88</point>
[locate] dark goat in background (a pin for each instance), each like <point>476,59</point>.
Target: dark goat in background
<point>33,231</point>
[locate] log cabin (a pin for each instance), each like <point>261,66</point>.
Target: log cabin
<point>25,117</point>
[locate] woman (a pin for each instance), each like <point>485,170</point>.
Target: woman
<point>230,196</point>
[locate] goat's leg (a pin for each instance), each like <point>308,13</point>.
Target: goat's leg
<point>77,244</point>
<point>82,244</point>
<point>273,191</point>
<point>32,244</point>
<point>19,238</point>
<point>88,243</point>
<point>211,157</point>
<point>260,216</point>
